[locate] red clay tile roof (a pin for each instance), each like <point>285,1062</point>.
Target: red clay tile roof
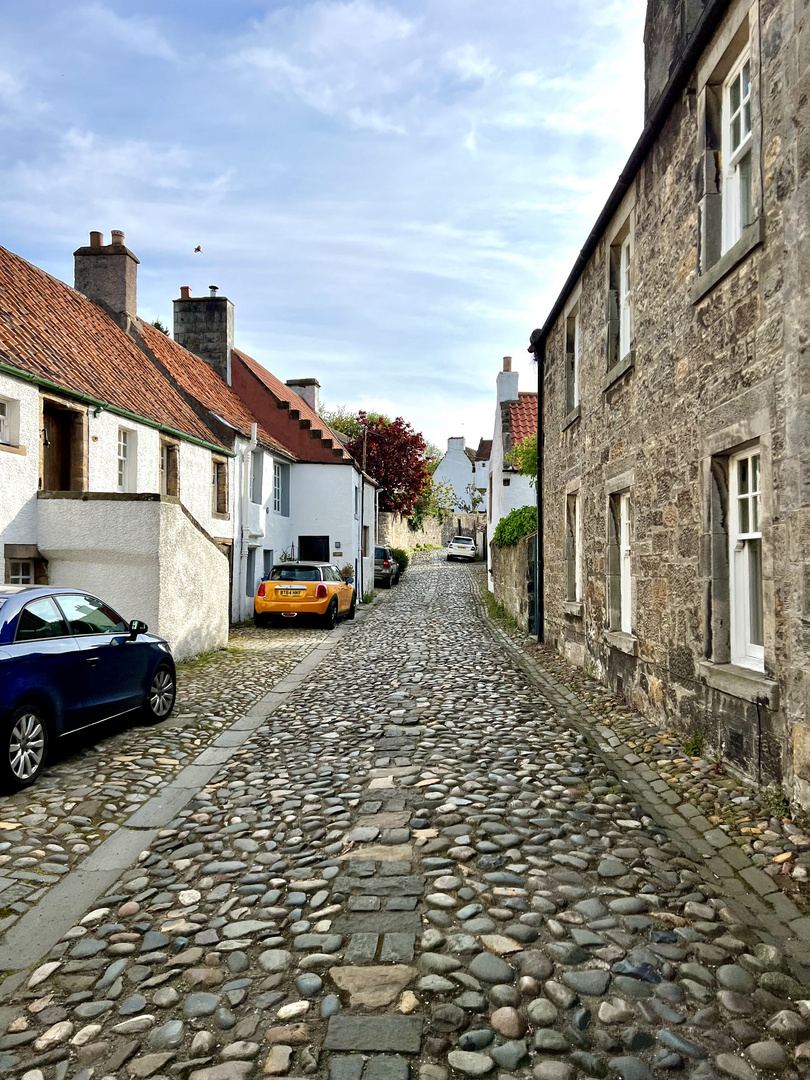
<point>198,379</point>
<point>283,392</point>
<point>484,451</point>
<point>54,333</point>
<point>523,417</point>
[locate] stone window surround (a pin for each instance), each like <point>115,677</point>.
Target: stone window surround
<point>716,670</point>
<point>575,608</point>
<point>172,478</point>
<point>219,466</point>
<point>739,32</point>
<point>620,639</point>
<point>26,553</point>
<point>574,301</point>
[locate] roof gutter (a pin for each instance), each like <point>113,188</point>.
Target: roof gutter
<point>704,28</point>
<point>38,380</point>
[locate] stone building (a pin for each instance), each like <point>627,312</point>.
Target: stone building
<point>675,380</point>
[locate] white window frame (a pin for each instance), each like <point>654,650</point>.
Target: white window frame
<point>736,152</point>
<point>276,488</point>
<point>625,550</point>
<point>20,572</point>
<point>625,294</point>
<point>745,551</point>
<point>572,502</point>
<point>573,331</point>
<point>126,459</point>
<point>9,422</point>
<point>5,422</point>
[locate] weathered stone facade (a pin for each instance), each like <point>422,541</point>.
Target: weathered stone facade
<point>396,531</point>
<point>513,579</point>
<point>718,364</point>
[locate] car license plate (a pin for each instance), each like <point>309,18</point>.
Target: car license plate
<point>290,592</point>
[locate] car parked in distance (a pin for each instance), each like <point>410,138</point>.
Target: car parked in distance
<point>67,662</point>
<point>461,547</point>
<point>294,589</point>
<point>386,567</point>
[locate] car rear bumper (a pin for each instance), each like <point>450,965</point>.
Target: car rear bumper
<point>291,607</point>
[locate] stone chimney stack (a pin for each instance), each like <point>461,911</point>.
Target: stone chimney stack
<point>507,382</point>
<point>204,325</point>
<point>108,275</point>
<point>309,390</point>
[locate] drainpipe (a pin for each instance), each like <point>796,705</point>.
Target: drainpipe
<point>245,529</point>
<point>537,346</point>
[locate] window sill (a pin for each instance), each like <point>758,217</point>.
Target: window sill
<point>752,237</point>
<point>9,449</point>
<point>622,367</point>
<point>574,607</point>
<point>570,418</point>
<point>220,517</point>
<point>618,639</point>
<point>740,682</point>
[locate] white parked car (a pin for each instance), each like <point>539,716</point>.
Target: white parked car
<point>461,547</point>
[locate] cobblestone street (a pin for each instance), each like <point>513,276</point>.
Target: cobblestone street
<point>391,851</point>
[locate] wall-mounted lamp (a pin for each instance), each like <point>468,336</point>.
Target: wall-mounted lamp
<point>99,409</point>
<point>46,442</point>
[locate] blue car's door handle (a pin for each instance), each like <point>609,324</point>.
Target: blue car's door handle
<point>92,660</point>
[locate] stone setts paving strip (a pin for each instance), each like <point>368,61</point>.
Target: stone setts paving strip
<point>418,865</point>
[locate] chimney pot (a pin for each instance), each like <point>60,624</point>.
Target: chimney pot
<point>117,236</point>
<point>185,292</point>
<point>214,289</point>
<point>96,239</point>
<point>507,363</point>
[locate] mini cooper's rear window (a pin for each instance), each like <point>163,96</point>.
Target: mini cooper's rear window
<point>295,573</point>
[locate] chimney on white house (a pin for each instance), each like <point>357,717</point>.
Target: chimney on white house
<point>108,275</point>
<point>507,382</point>
<point>309,390</point>
<point>204,325</point>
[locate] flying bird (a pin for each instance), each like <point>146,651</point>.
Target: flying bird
<point>198,248</point>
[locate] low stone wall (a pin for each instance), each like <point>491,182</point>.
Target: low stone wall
<point>513,579</point>
<point>394,530</point>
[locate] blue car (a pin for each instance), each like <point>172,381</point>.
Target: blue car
<point>67,662</point>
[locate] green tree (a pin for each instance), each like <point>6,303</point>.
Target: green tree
<point>524,457</point>
<point>474,499</point>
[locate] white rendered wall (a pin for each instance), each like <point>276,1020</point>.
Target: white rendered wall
<point>147,560</point>
<point>504,499</point>
<point>19,472</point>
<point>455,469</point>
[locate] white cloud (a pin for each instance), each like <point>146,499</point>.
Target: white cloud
<point>136,33</point>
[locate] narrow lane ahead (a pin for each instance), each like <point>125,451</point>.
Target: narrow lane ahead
<point>414,867</point>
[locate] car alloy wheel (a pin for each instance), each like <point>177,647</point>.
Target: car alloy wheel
<point>331,617</point>
<point>161,694</point>
<point>27,746</point>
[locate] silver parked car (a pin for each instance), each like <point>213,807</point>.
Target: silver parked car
<point>461,547</point>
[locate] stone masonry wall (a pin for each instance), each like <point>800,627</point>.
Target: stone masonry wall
<point>512,568</point>
<point>708,377</point>
<point>394,530</point>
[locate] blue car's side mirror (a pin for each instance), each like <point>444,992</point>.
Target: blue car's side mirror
<point>137,627</point>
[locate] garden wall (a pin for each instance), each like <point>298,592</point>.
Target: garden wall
<point>394,530</point>
<point>513,579</point>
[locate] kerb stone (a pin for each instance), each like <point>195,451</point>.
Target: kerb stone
<point>383,1034</point>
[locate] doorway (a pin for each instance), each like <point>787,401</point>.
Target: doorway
<point>313,548</point>
<point>62,448</point>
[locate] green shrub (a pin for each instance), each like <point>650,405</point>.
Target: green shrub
<point>517,524</point>
<point>402,557</point>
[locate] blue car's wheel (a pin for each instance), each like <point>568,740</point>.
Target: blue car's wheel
<point>25,746</point>
<point>162,692</point>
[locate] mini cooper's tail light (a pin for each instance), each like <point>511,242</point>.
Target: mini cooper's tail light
<point>386,563</point>
<point>320,592</point>
<point>262,589</point>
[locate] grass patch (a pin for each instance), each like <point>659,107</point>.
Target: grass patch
<point>495,610</point>
<point>204,658</point>
<point>774,802</point>
<point>695,744</point>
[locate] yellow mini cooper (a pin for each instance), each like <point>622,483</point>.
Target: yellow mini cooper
<point>292,589</point>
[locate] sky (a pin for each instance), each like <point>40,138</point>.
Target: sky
<point>391,193</point>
